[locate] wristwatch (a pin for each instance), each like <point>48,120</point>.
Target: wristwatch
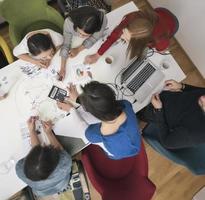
<point>157,109</point>
<point>183,86</point>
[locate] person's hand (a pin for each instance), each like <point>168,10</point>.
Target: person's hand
<point>4,96</point>
<point>173,86</point>
<point>40,63</point>
<point>47,62</point>
<point>31,124</point>
<point>201,102</point>
<point>156,102</point>
<point>61,74</point>
<point>74,52</point>
<point>47,126</point>
<point>73,93</point>
<point>90,59</point>
<point>64,106</point>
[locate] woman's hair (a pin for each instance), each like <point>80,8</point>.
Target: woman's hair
<point>41,162</point>
<point>99,99</point>
<point>87,18</point>
<point>39,42</point>
<point>141,33</point>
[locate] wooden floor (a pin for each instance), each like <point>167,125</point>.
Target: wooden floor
<point>173,181</point>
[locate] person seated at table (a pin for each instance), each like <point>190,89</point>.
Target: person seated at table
<point>38,47</point>
<point>86,22</point>
<point>140,30</point>
<point>118,133</point>
<point>179,115</point>
<point>46,169</point>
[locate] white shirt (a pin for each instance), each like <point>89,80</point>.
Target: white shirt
<point>22,47</point>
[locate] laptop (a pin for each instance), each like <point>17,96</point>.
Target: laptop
<point>72,145</point>
<point>141,77</point>
<point>70,130</point>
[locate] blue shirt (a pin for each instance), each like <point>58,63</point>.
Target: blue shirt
<point>125,142</point>
<point>56,182</point>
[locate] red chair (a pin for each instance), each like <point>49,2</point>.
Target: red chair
<point>125,179</point>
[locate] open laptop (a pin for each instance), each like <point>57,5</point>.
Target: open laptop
<point>140,77</point>
<point>72,145</point>
<point>70,130</point>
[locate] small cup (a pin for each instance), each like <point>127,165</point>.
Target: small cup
<point>109,60</point>
<point>165,64</point>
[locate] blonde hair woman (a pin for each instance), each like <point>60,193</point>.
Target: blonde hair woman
<point>141,30</point>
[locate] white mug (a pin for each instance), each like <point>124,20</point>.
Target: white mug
<point>165,64</point>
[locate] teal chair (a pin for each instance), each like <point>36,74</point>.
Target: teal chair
<point>192,158</point>
<point>24,16</point>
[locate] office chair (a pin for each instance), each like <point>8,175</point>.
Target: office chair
<point>125,179</point>
<point>191,158</point>
<point>5,53</point>
<point>24,16</point>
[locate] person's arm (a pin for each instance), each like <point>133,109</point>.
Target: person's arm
<point>28,58</point>
<point>62,71</point>
<point>67,38</point>
<point>32,132</point>
<point>187,88</point>
<point>47,127</point>
<point>174,86</point>
<point>65,49</point>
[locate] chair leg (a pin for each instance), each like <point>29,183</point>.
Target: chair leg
<point>6,50</point>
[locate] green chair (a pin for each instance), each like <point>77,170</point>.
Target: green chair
<point>24,16</point>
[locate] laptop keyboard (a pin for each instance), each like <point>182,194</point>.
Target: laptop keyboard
<point>131,69</point>
<point>141,77</point>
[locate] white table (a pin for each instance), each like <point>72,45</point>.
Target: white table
<point>11,142</point>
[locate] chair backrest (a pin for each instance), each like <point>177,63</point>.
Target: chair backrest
<point>192,157</point>
<point>116,169</point>
<point>118,179</point>
<point>20,14</point>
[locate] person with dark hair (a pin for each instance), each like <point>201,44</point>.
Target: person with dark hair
<point>38,47</point>
<point>140,30</point>
<point>46,169</point>
<point>178,114</point>
<point>85,22</point>
<point>118,133</point>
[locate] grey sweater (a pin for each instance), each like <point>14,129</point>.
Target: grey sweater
<point>69,32</point>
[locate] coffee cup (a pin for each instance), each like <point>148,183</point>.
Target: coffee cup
<point>109,60</point>
<point>165,64</point>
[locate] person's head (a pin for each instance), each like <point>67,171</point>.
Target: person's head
<point>41,162</point>
<point>99,99</point>
<point>138,34</point>
<point>86,20</point>
<point>41,46</point>
<point>201,102</point>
